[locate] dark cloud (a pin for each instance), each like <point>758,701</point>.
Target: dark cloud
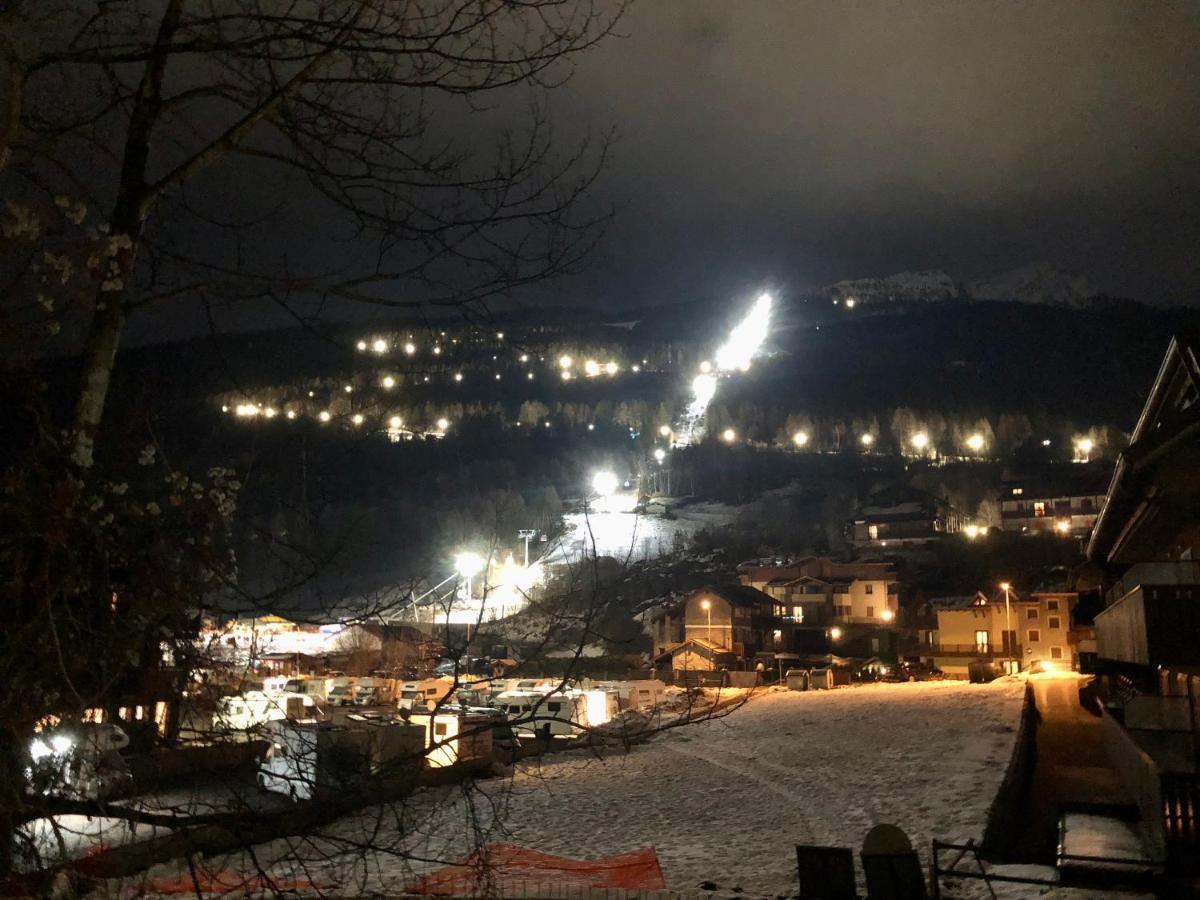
<point>811,141</point>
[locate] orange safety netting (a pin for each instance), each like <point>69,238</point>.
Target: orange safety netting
<point>227,882</point>
<point>499,868</point>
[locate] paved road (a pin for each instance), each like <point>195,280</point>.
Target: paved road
<point>1071,768</point>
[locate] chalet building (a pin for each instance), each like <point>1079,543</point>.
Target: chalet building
<point>1063,499</point>
<point>901,515</point>
<point>1029,631</point>
<point>818,592</point>
<point>723,624</point>
<point>1147,539</point>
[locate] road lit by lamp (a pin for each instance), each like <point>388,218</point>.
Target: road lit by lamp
<point>605,483</point>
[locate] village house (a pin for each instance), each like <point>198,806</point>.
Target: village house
<point>816,591</point>
<point>1027,631</point>
<point>1063,499</point>
<point>1147,539</point>
<point>719,626</point>
<point>901,515</point>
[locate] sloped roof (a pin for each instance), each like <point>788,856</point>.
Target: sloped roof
<point>737,594</point>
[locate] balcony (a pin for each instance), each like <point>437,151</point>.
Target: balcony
<point>973,651</point>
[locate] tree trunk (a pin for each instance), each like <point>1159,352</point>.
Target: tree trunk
<point>129,214</point>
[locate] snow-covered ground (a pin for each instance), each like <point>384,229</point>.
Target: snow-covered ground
<point>630,536</point>
<point>723,801</point>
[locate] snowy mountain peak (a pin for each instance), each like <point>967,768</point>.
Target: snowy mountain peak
<point>927,286</point>
<point>1035,283</point>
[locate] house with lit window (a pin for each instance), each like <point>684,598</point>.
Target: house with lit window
<point>1014,631</point>
<point>1063,499</point>
<point>721,624</point>
<point>1147,541</point>
<point>900,515</point>
<point>817,591</point>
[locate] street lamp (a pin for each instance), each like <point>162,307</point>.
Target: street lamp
<point>706,605</point>
<point>605,483</point>
<point>800,438</point>
<point>468,565</point>
<point>1006,587</point>
<point>920,441</point>
<point>867,440</point>
<point>729,435</point>
<point>660,454</point>
<point>975,443</point>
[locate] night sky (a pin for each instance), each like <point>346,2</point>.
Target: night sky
<point>799,143</point>
<point>788,145</point>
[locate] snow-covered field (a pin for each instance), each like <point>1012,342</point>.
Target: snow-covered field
<point>629,536</point>
<point>722,802</point>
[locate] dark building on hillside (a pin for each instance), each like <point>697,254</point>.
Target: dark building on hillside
<point>901,515</point>
<point>1061,499</point>
<point>1147,539</point>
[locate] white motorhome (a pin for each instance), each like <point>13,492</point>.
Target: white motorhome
<point>308,758</point>
<point>458,734</point>
<point>342,692</point>
<point>643,694</point>
<point>244,712</point>
<point>316,688</point>
<point>374,691</point>
<point>269,684</point>
<point>425,694</point>
<point>561,713</point>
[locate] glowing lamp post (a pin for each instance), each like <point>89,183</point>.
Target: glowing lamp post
<point>605,483</point>
<point>800,438</point>
<point>867,440</point>
<point>1007,587</point>
<point>1083,449</point>
<point>706,605</point>
<point>975,443</point>
<point>920,442</point>
<point>468,565</point>
<point>729,435</point>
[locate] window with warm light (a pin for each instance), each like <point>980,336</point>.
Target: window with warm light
<point>981,640</point>
<point>1039,508</point>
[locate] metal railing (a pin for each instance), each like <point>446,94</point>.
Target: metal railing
<point>988,651</point>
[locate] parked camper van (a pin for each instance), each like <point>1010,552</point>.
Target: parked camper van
<point>317,688</point>
<point>528,711</point>
<point>342,692</point>
<point>374,691</point>
<point>425,694</point>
